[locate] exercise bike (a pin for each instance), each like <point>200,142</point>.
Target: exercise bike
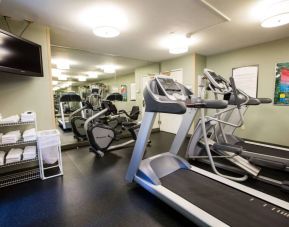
<point>101,135</point>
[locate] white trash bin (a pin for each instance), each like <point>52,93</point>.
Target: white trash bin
<point>49,147</point>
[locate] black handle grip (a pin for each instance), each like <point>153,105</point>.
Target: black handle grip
<point>235,92</point>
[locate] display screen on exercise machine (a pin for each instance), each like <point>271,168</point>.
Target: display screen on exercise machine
<point>169,84</point>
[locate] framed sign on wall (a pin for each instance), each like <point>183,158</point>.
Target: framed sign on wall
<point>281,94</point>
<point>246,79</point>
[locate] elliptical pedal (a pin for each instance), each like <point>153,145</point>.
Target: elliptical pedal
<point>97,152</point>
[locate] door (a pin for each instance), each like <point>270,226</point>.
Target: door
<point>171,122</point>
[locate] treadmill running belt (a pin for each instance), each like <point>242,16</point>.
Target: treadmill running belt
<point>264,150</point>
<point>231,206</point>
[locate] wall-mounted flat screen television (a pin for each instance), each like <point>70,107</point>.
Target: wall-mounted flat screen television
<point>19,56</point>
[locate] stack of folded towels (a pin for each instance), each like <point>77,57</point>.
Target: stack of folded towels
<point>11,119</point>
<point>29,135</point>
<point>29,152</point>
<point>14,155</point>
<point>11,137</point>
<point>2,157</point>
<point>27,116</point>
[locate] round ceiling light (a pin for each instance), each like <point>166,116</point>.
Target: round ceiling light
<point>106,32</point>
<point>276,21</point>
<point>276,14</point>
<point>81,78</point>
<point>178,44</point>
<point>180,49</point>
<point>92,75</point>
<point>62,77</point>
<point>109,69</point>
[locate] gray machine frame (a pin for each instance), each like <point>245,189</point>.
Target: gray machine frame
<point>229,131</point>
<point>112,147</point>
<point>217,125</point>
<point>65,121</point>
<point>147,172</point>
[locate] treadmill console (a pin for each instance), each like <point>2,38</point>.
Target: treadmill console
<point>171,88</point>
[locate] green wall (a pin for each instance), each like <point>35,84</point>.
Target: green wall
<point>20,93</point>
<point>267,123</point>
<point>117,82</point>
<point>139,74</point>
<point>186,63</point>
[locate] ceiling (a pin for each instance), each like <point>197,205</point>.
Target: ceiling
<point>84,61</point>
<point>149,22</point>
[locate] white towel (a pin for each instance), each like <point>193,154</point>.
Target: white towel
<point>29,152</point>
<point>11,119</point>
<point>29,135</point>
<point>2,157</point>
<point>11,137</point>
<point>28,116</point>
<point>14,155</point>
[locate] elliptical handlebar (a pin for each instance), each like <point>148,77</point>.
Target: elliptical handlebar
<point>235,92</point>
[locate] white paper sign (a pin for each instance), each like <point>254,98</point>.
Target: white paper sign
<point>246,79</point>
<point>133,92</point>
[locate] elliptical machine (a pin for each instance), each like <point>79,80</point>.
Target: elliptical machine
<point>226,156</point>
<point>77,121</point>
<point>101,134</point>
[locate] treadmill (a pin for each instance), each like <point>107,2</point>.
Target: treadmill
<point>70,97</point>
<point>203,197</point>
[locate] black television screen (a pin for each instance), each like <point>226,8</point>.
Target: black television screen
<point>19,56</point>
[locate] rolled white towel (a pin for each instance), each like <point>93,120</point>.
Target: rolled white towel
<point>28,116</point>
<point>11,119</point>
<point>29,132</point>
<point>11,137</point>
<point>29,150</point>
<point>29,135</point>
<point>14,155</point>
<point>2,158</point>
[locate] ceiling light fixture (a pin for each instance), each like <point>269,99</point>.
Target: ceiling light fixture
<point>62,77</point>
<point>54,82</point>
<point>177,44</point>
<point>63,65</point>
<point>92,75</point>
<point>276,14</point>
<point>106,32</point>
<point>81,78</point>
<point>106,21</point>
<point>56,72</point>
<point>109,68</point>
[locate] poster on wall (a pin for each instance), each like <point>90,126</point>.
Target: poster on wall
<point>123,91</point>
<point>246,79</point>
<point>281,95</point>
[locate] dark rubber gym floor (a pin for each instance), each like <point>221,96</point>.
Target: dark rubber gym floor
<point>92,192</point>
